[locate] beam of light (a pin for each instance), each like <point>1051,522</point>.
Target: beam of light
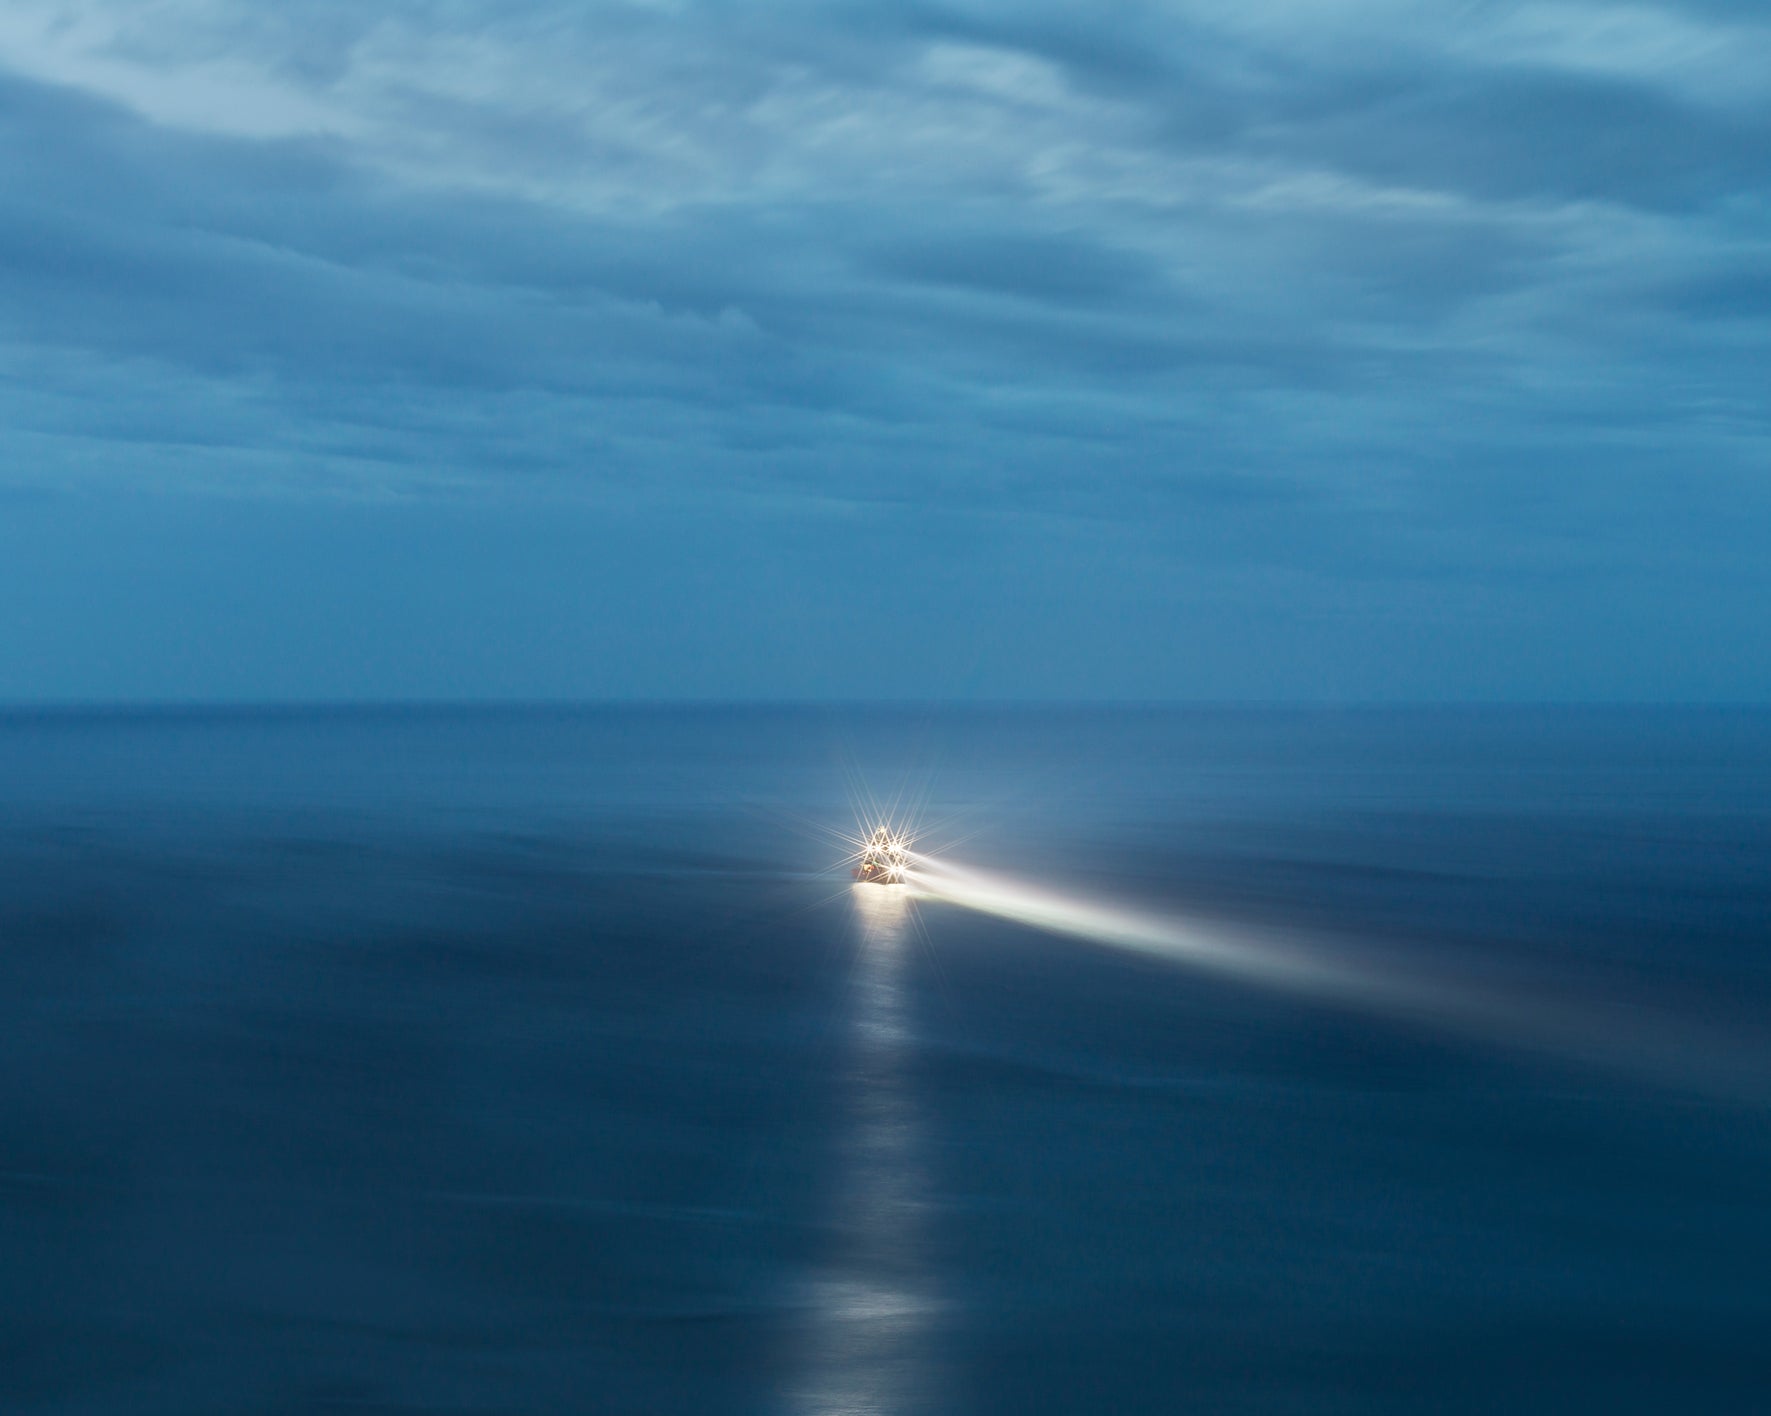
<point>873,1305</point>
<point>1479,1007</point>
<point>1257,960</point>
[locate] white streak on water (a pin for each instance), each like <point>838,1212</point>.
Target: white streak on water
<point>1475,1003</point>
<point>874,1303</point>
<point>1270,960</point>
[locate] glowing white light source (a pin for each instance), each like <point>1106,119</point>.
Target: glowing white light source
<point>882,856</point>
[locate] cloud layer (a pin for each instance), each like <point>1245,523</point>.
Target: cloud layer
<point>1369,289</point>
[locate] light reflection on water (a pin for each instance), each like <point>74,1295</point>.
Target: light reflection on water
<point>874,1302</point>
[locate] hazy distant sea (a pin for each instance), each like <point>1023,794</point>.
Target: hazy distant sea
<point>514,1061</point>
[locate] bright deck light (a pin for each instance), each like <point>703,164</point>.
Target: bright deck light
<point>883,857</point>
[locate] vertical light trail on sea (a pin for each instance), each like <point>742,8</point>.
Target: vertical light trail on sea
<point>873,1304</point>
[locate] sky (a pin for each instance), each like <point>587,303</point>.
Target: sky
<point>1304,350</point>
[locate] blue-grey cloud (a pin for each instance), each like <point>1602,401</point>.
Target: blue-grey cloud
<point>1369,289</point>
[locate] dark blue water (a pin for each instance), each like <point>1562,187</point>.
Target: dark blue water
<point>525,1061</point>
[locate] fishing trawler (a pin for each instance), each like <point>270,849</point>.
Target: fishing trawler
<point>884,859</point>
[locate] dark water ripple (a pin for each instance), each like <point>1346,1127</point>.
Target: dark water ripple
<point>521,1061</point>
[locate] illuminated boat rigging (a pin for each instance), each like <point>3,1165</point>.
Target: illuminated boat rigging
<point>884,859</point>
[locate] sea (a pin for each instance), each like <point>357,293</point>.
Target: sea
<point>410,1059</point>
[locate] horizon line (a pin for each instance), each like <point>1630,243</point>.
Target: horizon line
<point>74,706</point>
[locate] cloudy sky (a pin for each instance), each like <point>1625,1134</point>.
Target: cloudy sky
<point>1343,349</point>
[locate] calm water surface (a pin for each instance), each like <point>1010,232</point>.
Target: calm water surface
<point>537,1061</point>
